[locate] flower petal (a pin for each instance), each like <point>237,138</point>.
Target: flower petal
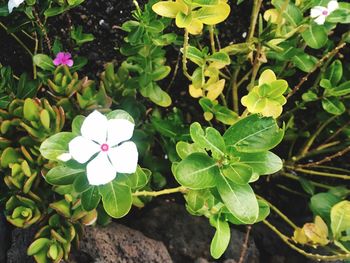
<point>67,55</point>
<point>100,170</point>
<point>14,3</point>
<point>95,127</point>
<point>317,11</point>
<point>82,149</point>
<point>124,157</point>
<point>119,130</point>
<point>69,62</point>
<point>320,20</point>
<point>332,5</point>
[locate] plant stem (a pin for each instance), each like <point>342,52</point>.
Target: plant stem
<point>18,40</point>
<point>329,55</point>
<point>184,55</point>
<point>313,172</point>
<point>212,39</point>
<point>235,91</point>
<point>254,19</point>
<point>283,216</point>
<point>327,158</point>
<point>245,245</point>
<point>286,240</point>
<point>180,189</point>
<point>309,143</point>
<point>294,177</point>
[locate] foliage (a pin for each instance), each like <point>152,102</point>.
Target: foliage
<point>285,88</point>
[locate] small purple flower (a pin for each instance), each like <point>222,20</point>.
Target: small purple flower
<point>63,58</point>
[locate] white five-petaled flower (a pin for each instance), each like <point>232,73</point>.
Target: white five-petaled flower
<point>109,139</point>
<point>14,3</point>
<point>320,13</point>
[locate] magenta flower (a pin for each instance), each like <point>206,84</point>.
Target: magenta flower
<point>63,58</point>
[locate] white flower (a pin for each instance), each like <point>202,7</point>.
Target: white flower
<point>319,13</point>
<point>14,3</point>
<point>108,138</point>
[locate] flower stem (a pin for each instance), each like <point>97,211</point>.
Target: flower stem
<point>180,189</point>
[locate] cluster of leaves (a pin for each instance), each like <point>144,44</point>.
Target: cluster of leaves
<point>218,169</point>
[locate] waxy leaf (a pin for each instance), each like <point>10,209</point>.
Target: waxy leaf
<point>315,36</point>
<point>253,134</point>
<point>90,199</point>
<point>240,200</point>
<point>63,175</point>
<point>340,218</point>
<point>238,173</point>
<point>221,238</point>
<point>334,72</point>
<point>262,163</point>
<point>197,171</point>
<point>56,145</point>
<point>333,105</point>
<point>116,198</point>
<point>210,140</point>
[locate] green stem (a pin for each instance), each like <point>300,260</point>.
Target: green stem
<point>286,240</point>
<point>235,91</point>
<point>283,216</point>
<point>313,172</point>
<point>18,40</point>
<point>309,143</point>
<point>294,177</point>
<point>184,55</point>
<point>212,39</point>
<point>180,189</point>
<point>254,19</point>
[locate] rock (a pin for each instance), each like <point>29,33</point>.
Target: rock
<point>188,237</point>
<point>4,238</point>
<point>21,239</point>
<point>119,244</point>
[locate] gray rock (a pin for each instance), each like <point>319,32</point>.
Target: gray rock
<point>4,238</point>
<point>188,237</point>
<point>120,244</point>
<point>21,239</point>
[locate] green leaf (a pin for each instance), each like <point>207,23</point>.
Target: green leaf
<point>211,140</point>
<point>31,110</point>
<point>184,149</point>
<point>262,163</point>
<point>264,210</point>
<point>340,218</point>
<point>137,180</point>
<point>322,203</point>
<point>116,199</point>
<point>44,62</point>
<point>81,183</point>
<point>221,238</point>
<point>307,186</point>
<point>341,90</point>
<point>38,245</point>
<point>90,199</point>
<point>238,173</point>
<point>77,123</point>
<point>240,200</point>
<point>205,2</point>
<point>79,37</point>
<point>197,171</point>
<point>62,175</point>
<point>315,36</point>
<point>156,94</point>
<point>304,62</point>
<point>220,57</point>
<point>333,105</point>
<point>56,145</point>
<point>213,15</point>
<point>253,134</point>
<point>195,55</point>
<point>334,72</point>
<point>169,8</point>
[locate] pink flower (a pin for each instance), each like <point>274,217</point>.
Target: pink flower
<point>63,58</point>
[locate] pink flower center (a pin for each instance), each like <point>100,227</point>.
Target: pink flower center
<point>325,13</point>
<point>104,147</point>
